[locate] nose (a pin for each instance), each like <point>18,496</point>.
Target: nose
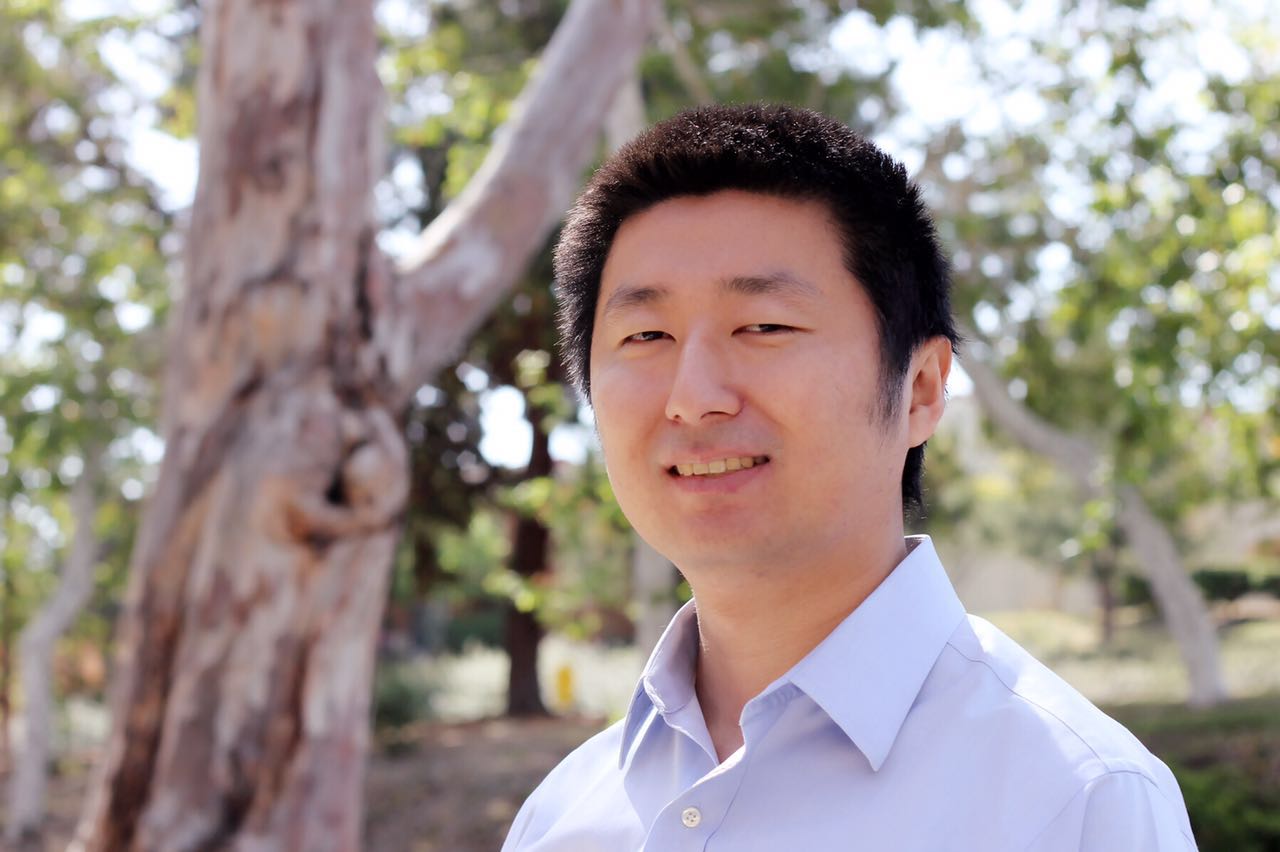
<point>703,384</point>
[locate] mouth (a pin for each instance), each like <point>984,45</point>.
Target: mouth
<point>716,467</point>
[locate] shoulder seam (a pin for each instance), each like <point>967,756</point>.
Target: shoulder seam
<point>1095,779</point>
<point>1012,691</point>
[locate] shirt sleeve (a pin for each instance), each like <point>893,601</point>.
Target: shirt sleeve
<point>1118,812</point>
<point>515,835</point>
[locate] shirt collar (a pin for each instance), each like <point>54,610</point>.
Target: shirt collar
<point>666,684</point>
<point>865,675</point>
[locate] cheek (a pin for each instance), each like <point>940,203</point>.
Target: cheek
<point>854,385</point>
<point>620,420</point>
<point>628,390</point>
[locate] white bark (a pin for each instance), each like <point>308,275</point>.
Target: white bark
<point>1180,602</point>
<point>28,783</point>
<point>1178,597</point>
<point>626,117</point>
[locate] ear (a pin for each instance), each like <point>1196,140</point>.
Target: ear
<point>930,366</point>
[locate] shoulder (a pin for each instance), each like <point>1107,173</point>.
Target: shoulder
<point>999,676</point>
<point>587,770</point>
<point>1118,810</point>
<point>1074,758</point>
<point>596,756</point>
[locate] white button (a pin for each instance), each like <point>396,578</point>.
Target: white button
<point>691,817</point>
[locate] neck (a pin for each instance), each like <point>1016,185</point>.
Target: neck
<point>752,632</point>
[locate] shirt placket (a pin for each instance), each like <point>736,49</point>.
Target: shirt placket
<point>688,822</point>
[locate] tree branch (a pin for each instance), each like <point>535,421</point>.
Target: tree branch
<point>687,71</point>
<point>29,782</point>
<point>475,250</point>
<point>1180,602</point>
<point>1071,453</point>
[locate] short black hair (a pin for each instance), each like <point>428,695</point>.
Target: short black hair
<point>890,244</point>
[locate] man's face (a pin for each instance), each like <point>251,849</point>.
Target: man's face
<point>730,341</point>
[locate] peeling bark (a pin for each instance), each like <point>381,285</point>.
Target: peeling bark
<point>246,650</point>
<point>30,777</point>
<point>1180,602</point>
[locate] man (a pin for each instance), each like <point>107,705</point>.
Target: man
<point>755,303</point>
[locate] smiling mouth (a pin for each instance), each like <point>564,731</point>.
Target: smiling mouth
<point>717,466</point>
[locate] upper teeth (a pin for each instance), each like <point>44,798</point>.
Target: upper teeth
<point>719,465</point>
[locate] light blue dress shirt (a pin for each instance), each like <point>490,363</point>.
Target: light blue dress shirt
<point>912,726</point>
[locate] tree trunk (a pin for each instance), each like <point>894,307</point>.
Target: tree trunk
<point>522,637</point>
<point>653,582</point>
<point>1180,602</point>
<point>241,693</point>
<point>1104,578</point>
<point>529,560</point>
<point>35,659</point>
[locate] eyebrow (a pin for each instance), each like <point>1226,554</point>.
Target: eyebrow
<point>780,284</point>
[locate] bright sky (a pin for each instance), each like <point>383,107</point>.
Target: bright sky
<point>936,73</point>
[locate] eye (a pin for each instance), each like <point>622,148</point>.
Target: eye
<point>644,337</point>
<point>767,328</point>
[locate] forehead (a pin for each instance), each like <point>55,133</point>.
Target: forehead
<point>693,242</point>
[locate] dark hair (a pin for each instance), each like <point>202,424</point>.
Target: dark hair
<point>890,244</point>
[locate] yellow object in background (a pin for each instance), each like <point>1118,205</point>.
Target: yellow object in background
<point>564,687</point>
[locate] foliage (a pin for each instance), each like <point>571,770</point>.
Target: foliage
<point>1215,584</point>
<point>1116,242</point>
<point>982,492</point>
<point>590,552</point>
<point>1119,253</point>
<point>1228,811</point>
<point>1222,585</point>
<point>401,696</point>
<point>84,255</point>
<point>1121,273</point>
<point>453,75</point>
<point>474,61</point>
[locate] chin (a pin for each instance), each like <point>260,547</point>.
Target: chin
<point>730,550</point>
